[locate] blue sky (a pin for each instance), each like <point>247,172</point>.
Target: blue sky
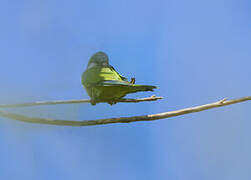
<point>196,52</point>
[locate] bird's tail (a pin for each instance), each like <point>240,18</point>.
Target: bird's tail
<point>137,88</point>
<point>126,86</point>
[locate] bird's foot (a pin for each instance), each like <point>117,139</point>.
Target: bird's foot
<point>111,102</point>
<point>93,102</point>
<point>132,81</point>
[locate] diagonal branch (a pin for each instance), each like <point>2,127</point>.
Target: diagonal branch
<point>150,117</point>
<point>76,101</point>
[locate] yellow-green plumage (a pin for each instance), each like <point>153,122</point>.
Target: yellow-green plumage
<point>103,83</point>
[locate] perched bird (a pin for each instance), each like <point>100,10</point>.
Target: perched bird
<point>103,83</point>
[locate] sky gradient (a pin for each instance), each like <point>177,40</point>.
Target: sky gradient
<point>196,52</point>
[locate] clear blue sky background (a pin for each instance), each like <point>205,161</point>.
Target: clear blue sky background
<point>196,52</point>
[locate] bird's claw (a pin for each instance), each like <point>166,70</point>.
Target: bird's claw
<point>132,80</point>
<point>112,102</point>
<point>93,102</point>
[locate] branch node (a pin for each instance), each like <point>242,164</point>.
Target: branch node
<point>223,100</point>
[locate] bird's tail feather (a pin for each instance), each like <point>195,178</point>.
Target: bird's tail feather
<point>131,88</point>
<point>137,88</point>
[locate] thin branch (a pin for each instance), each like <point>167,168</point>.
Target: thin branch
<point>150,117</point>
<point>75,101</point>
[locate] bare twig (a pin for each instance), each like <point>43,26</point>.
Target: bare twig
<point>150,117</point>
<point>75,101</point>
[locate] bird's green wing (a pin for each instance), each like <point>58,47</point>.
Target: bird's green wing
<point>113,83</point>
<point>96,75</point>
<point>105,84</point>
<point>122,77</point>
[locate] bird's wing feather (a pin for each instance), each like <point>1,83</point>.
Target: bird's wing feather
<point>95,76</point>
<point>122,77</point>
<point>113,83</point>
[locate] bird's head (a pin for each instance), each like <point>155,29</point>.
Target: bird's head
<point>98,59</point>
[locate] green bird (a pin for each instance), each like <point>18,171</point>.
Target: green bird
<point>104,84</point>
